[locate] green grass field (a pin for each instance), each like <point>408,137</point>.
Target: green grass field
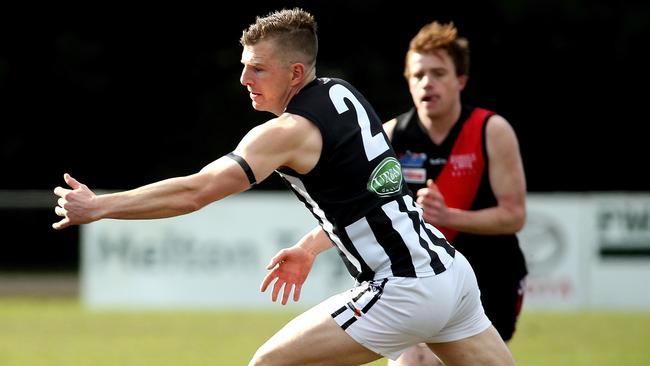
<point>59,331</point>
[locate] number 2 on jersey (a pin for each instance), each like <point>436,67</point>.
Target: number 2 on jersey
<point>373,145</point>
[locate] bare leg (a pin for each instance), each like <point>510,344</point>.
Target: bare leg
<point>486,349</point>
<point>312,338</point>
<point>418,355</point>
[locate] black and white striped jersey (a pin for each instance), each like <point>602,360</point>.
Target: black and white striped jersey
<point>356,190</point>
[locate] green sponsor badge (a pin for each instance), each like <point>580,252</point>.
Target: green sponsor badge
<point>386,179</point>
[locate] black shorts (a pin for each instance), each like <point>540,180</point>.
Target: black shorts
<point>502,300</point>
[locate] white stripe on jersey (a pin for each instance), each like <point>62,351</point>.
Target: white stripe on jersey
<point>366,244</point>
<point>403,225</point>
<point>410,203</point>
<point>374,255</point>
<point>297,185</point>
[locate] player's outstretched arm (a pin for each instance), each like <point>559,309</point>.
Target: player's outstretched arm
<point>170,197</point>
<point>290,141</point>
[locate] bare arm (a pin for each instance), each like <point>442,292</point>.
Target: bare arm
<point>166,198</point>
<point>285,141</point>
<point>506,179</point>
<point>389,127</point>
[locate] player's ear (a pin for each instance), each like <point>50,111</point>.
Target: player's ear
<point>462,81</point>
<point>297,73</point>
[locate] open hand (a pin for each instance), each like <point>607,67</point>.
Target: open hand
<point>289,268</point>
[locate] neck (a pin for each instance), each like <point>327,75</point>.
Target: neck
<point>293,91</point>
<point>439,125</point>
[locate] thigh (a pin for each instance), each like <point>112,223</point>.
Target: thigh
<point>312,338</point>
<point>486,348</point>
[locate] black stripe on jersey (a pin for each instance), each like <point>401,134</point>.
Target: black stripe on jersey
<point>350,267</point>
<point>418,226</point>
<point>440,242</point>
<point>302,199</point>
<point>401,262</point>
<point>436,240</point>
<point>366,274</point>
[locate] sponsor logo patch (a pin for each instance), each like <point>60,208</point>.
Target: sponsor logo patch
<point>413,159</point>
<point>415,175</point>
<point>386,179</point>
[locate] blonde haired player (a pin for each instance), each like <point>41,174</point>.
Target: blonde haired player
<point>327,142</point>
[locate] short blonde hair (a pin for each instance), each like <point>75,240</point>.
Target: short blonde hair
<point>294,30</point>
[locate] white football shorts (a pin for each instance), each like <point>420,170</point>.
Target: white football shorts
<point>389,315</point>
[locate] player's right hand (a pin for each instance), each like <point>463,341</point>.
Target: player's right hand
<point>433,204</point>
<point>74,205</point>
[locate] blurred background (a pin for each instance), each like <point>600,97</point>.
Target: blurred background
<point>121,96</point>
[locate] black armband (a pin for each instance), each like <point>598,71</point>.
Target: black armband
<point>244,165</point>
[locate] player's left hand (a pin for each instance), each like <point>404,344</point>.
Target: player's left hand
<point>289,268</point>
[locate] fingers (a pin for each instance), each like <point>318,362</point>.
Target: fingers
<point>424,202</point>
<point>296,293</point>
<point>284,284</point>
<point>280,286</point>
<point>71,181</point>
<point>431,188</point>
<point>276,290</point>
<point>60,191</point>
<point>278,258</point>
<point>286,292</point>
<point>277,286</point>
<point>267,280</point>
<point>59,211</point>
<point>65,222</point>
<point>432,185</point>
<point>286,288</point>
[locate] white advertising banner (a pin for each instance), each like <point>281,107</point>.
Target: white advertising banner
<point>582,250</point>
<point>214,257</point>
<point>619,272</point>
<point>552,244</point>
